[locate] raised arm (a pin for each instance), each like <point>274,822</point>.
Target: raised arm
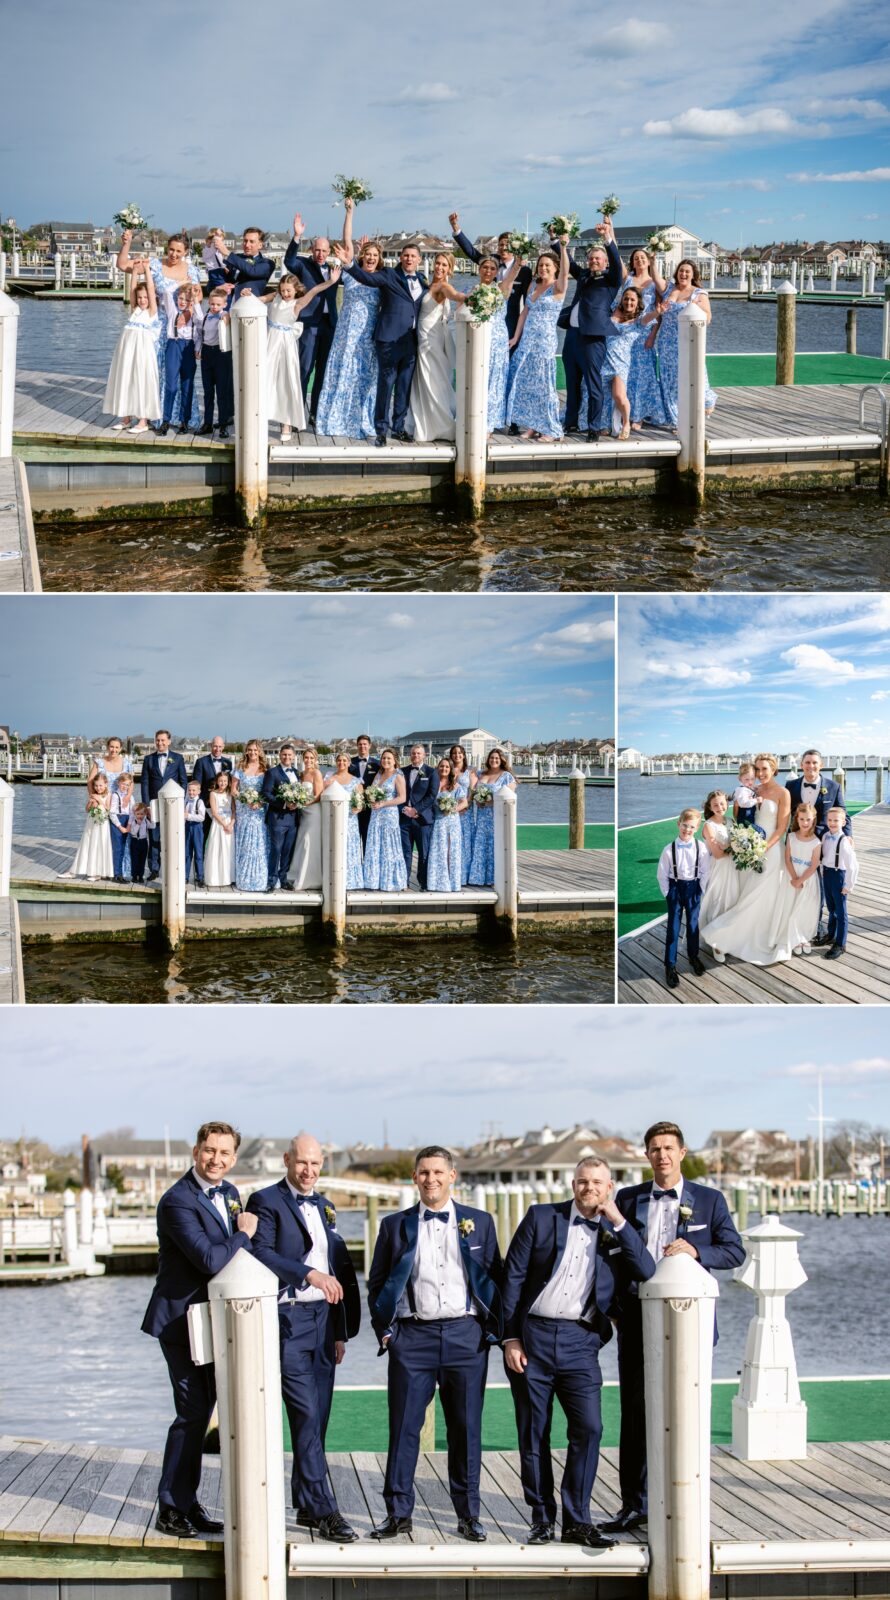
<point>349,208</point>
<point>319,288</point>
<point>123,255</point>
<point>562,277</point>
<point>465,244</point>
<point>509,278</point>
<point>374,280</point>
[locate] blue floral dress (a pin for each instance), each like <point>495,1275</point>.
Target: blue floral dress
<point>346,404</point>
<point>162,283</point>
<point>467,825</point>
<point>443,865</point>
<point>251,840</point>
<point>355,876</point>
<point>384,866</point>
<point>498,368</point>
<point>482,864</point>
<point>643,387</point>
<point>532,400</point>
<point>667,349</point>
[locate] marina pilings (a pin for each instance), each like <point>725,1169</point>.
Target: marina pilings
<point>833,279</point>
<point>879,791</point>
<point>693,329</point>
<point>171,815</point>
<point>506,863</point>
<point>7,804</point>
<point>850,331</point>
<point>334,825</point>
<point>678,1336</point>
<point>249,324</point>
<point>473,350</point>
<point>576,810</point>
<point>57,271</point>
<point>786,333</point>
<point>2,271</point>
<point>9,326</point>
<point>769,1419</point>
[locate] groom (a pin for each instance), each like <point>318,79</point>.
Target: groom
<point>163,763</point>
<point>417,815</point>
<point>814,788</point>
<point>395,336</point>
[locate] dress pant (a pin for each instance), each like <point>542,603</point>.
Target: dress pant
<point>574,377</point>
<point>219,384</point>
<point>180,366</point>
<point>194,850</point>
<point>154,851</point>
<point>314,349</point>
<point>563,1361</point>
<point>833,880</point>
<point>138,857</point>
<point>632,1441</point>
<point>194,1395</point>
<point>307,1386</point>
<point>282,838</point>
<point>119,842</point>
<point>452,1353</point>
<point>414,832</point>
<point>683,896</point>
<point>591,350</point>
<point>396,360</point>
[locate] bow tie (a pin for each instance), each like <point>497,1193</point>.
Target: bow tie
<point>586,1222</point>
<point>435,1216</point>
<point>411,276</point>
<point>685,844</point>
<point>664,1194</point>
<point>212,1193</point>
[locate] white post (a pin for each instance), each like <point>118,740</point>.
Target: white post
<point>171,816</point>
<point>794,274</point>
<point>16,263</point>
<point>607,763</point>
<point>334,825</point>
<point>743,274</point>
<point>7,806</point>
<point>871,277</point>
<point>244,1333</point>
<point>811,281</point>
<point>57,271</point>
<point>764,280</point>
<point>712,274</point>
<point>72,267</point>
<point>678,1336</point>
<point>69,1228</point>
<point>407,1196</point>
<point>101,1236</point>
<point>693,326</point>
<point>86,1216</point>
<point>2,271</point>
<point>473,353</point>
<point>251,408</point>
<point>864,290</point>
<point>833,277</point>
<point>506,866</point>
<point>769,1419</point>
<point>9,325</point>
<point>769,275</point>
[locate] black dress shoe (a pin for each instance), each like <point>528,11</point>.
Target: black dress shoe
<point>697,966</point>
<point>514,427</point>
<point>586,1534</point>
<point>592,436</point>
<point>392,1527</point>
<point>626,1519</point>
<point>835,953</point>
<point>164,428</point>
<point>380,440</point>
<point>305,1519</point>
<point>672,977</point>
<point>183,428</point>
<point>822,938</point>
<point>542,1533</point>
<point>171,1521</point>
<point>404,437</point>
<point>201,1522</point>
<point>471,1529</point>
<point>224,433</point>
<point>207,428</point>
<point>152,877</point>
<point>336,1529</point>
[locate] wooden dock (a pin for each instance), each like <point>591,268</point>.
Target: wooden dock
<point>862,977</point>
<point>19,566</point>
<point>12,982</point>
<point>73,1511</point>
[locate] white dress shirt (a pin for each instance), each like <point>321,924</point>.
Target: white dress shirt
<point>317,1259</point>
<point>837,851</point>
<point>568,1291</point>
<point>438,1276</point>
<point>219,1200</point>
<point>744,796</point>
<point>415,287</point>
<point>162,762</point>
<point>195,809</point>
<point>663,1221</point>
<point>693,861</point>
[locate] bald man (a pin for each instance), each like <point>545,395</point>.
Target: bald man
<point>318,1311</point>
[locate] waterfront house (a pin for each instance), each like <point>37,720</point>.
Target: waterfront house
<point>682,241</point>
<point>148,1166</point>
<point>628,756</point>
<point>549,1157</point>
<point>477,742</point>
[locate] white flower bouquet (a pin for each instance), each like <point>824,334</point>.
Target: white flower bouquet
<point>351,189</point>
<point>294,794</point>
<point>565,225</point>
<point>522,245</point>
<point>374,793</point>
<point>483,302</point>
<point>97,812</point>
<point>356,798</point>
<point>483,794</point>
<point>447,802</point>
<point>658,244</point>
<point>130,216</point>
<point>747,848</point>
<point>610,205</point>
<point>251,797</point>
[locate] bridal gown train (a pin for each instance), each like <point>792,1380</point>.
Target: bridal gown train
<point>305,867</point>
<point>747,929</point>
<point>433,405</point>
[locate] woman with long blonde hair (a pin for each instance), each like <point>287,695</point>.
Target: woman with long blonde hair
<point>433,406</point>
<point>346,403</point>
<point>748,930</point>
<point>251,842</point>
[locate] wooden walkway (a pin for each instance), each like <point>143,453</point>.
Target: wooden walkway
<point>19,567</point>
<point>862,977</point>
<point>12,982</point>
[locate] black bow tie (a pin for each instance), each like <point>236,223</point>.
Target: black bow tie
<point>217,1189</point>
<point>435,1216</point>
<point>587,1222</point>
<point>664,1194</point>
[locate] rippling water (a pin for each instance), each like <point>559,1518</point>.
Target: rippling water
<point>75,1365</point>
<point>650,799</point>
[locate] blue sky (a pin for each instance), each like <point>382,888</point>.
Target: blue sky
<point>528,667</point>
<point>712,673</point>
<point>515,1068</point>
<point>761,120</point>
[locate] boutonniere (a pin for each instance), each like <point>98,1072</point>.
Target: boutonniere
<point>686,1213</point>
<point>823,789</point>
<point>234,1207</point>
<point>467,1226</point>
<point>330,1216</point>
<point>607,1237</point>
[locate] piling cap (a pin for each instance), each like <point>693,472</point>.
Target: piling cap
<point>785,288</point>
<point>250,305</point>
<point>8,307</point>
<point>243,1278</point>
<point>771,1228</point>
<point>693,313</point>
<point>679,1278</point>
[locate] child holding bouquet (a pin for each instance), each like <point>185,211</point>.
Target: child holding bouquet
<point>93,859</point>
<point>723,882</point>
<point>133,388</point>
<point>682,875</point>
<point>443,867</point>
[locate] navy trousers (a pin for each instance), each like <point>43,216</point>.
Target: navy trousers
<point>833,880</point>
<point>314,347</point>
<point>119,843</point>
<point>138,857</point>
<point>194,1395</point>
<point>219,385</point>
<point>563,1361</point>
<point>632,1441</point>
<point>574,377</point>
<point>194,850</point>
<point>307,1387</point>
<point>684,895</point>
<point>282,838</point>
<point>414,832</point>
<point>180,366</point>
<point>583,368</point>
<point>154,850</point>
<point>396,360</point>
<point>453,1354</point>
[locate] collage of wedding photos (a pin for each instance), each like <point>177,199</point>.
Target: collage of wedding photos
<point>445,805</point>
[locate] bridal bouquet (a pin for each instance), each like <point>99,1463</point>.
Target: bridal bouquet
<point>374,793</point>
<point>447,803</point>
<point>251,797</point>
<point>294,794</point>
<point>565,225</point>
<point>522,245</point>
<point>482,794</point>
<point>483,302</point>
<point>658,244</point>
<point>747,848</point>
<point>351,189</point>
<point>356,798</point>
<point>130,216</point>
<point>610,205</point>
<point>97,812</point>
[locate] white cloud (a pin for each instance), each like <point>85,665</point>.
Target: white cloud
<point>699,123</point>
<point>869,110</point>
<point>631,38</point>
<point>882,694</point>
<point>870,1068</point>
<point>814,664</point>
<point>426,94</point>
<point>543,161</point>
<point>574,637</point>
<point>708,677</point>
<point>761,184</point>
<point>400,619</point>
<point>872,175</point>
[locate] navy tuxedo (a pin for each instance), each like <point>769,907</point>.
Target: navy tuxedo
<point>308,1332</point>
<point>151,784</point>
<point>282,826</point>
<point>395,336</point>
<point>521,283</point>
<point>204,773</point>
<point>584,349</point>
<point>452,1352</point>
<point>562,1354</point>
<point>418,830</point>
<point>247,272</point>
<point>371,770</point>
<point>715,1238</point>
<point>319,321</point>
<point>829,794</point>
<point>194,1244</point>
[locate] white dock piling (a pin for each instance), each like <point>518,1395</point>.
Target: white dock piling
<point>3,265</point>
<point>7,806</point>
<point>871,278</point>
<point>473,353</point>
<point>334,825</point>
<point>786,332</point>
<point>678,1336</point>
<point>712,273</point>
<point>506,865</point>
<point>743,275</point>
<point>76,1253</point>
<point>249,320</point>
<point>794,265</point>
<point>833,280</point>
<point>85,1220</point>
<point>57,271</point>
<point>171,816</point>
<point>864,289</point>
<point>16,263</point>
<point>769,1419</point>
<point>101,1237</point>
<point>9,324</point>
<point>769,275</point>
<point>693,328</point>
<point>72,267</point>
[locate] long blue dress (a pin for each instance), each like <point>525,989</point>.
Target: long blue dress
<point>355,876</point>
<point>482,864</point>
<point>443,865</point>
<point>643,388</point>
<point>251,840</point>
<point>346,404</point>
<point>667,349</point>
<point>498,368</point>
<point>532,401</point>
<point>467,825</point>
<point>384,866</point>
<point>162,283</point>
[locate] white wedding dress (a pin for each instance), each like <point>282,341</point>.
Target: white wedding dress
<point>433,406</point>
<point>305,869</point>
<point>746,930</point>
<point>724,883</point>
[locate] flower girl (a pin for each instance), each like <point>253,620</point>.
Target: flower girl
<point>133,389</point>
<point>284,382</point>
<point>797,910</point>
<point>93,859</point>
<point>219,871</point>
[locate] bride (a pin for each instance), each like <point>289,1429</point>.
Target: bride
<point>432,389</point>
<point>746,930</point>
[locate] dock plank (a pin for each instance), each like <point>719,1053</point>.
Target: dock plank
<point>101,1516</point>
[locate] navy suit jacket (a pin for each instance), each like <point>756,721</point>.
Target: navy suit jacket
<point>426,787</point>
<point>323,309</point>
<point>521,283</point>
<point>536,1250</point>
<point>248,272</point>
<point>393,1260</point>
<point>273,778</point>
<point>710,1229</point>
<point>282,1241</point>
<point>398,308</point>
<point>193,1246</point>
<point>594,295</point>
<point>830,794</point>
<point>203,772</point>
<point>151,782</point>
<point>371,770</point>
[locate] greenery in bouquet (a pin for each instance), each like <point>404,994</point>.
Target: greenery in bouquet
<point>482,794</point>
<point>523,245</point>
<point>130,216</point>
<point>658,244</point>
<point>351,189</point>
<point>294,794</point>
<point>447,802</point>
<point>610,205</point>
<point>483,302</point>
<point>251,797</point>
<point>564,224</point>
<point>374,793</point>
<point>747,848</point>
<point>97,812</point>
<point>356,798</point>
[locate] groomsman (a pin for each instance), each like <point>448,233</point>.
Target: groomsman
<point>588,322</point>
<point>521,283</point>
<point>672,1216</point>
<point>318,1310</point>
<point>200,1226</point>
<point>559,1282</point>
<point>206,771</point>
<point>282,820</point>
<point>816,788</point>
<point>433,1289</point>
<point>319,317</point>
<point>395,336</point>
<point>417,815</point>
<point>365,767</point>
<point>157,769</point>
<point>248,270</point>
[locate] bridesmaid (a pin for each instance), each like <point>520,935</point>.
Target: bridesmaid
<point>723,885</point>
<point>384,866</point>
<point>465,778</point>
<point>686,290</point>
<point>218,870</point>
<point>532,400</point>
<point>499,357</point>
<point>620,345</point>
<point>251,847</point>
<point>346,405</point>
<point>495,775</point>
<point>443,869</point>
<point>93,859</point>
<point>306,859</point>
<point>643,387</point>
<point>355,878</point>
<point>112,764</point>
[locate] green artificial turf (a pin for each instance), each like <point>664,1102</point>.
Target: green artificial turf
<point>738,371</point>
<point>555,836</point>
